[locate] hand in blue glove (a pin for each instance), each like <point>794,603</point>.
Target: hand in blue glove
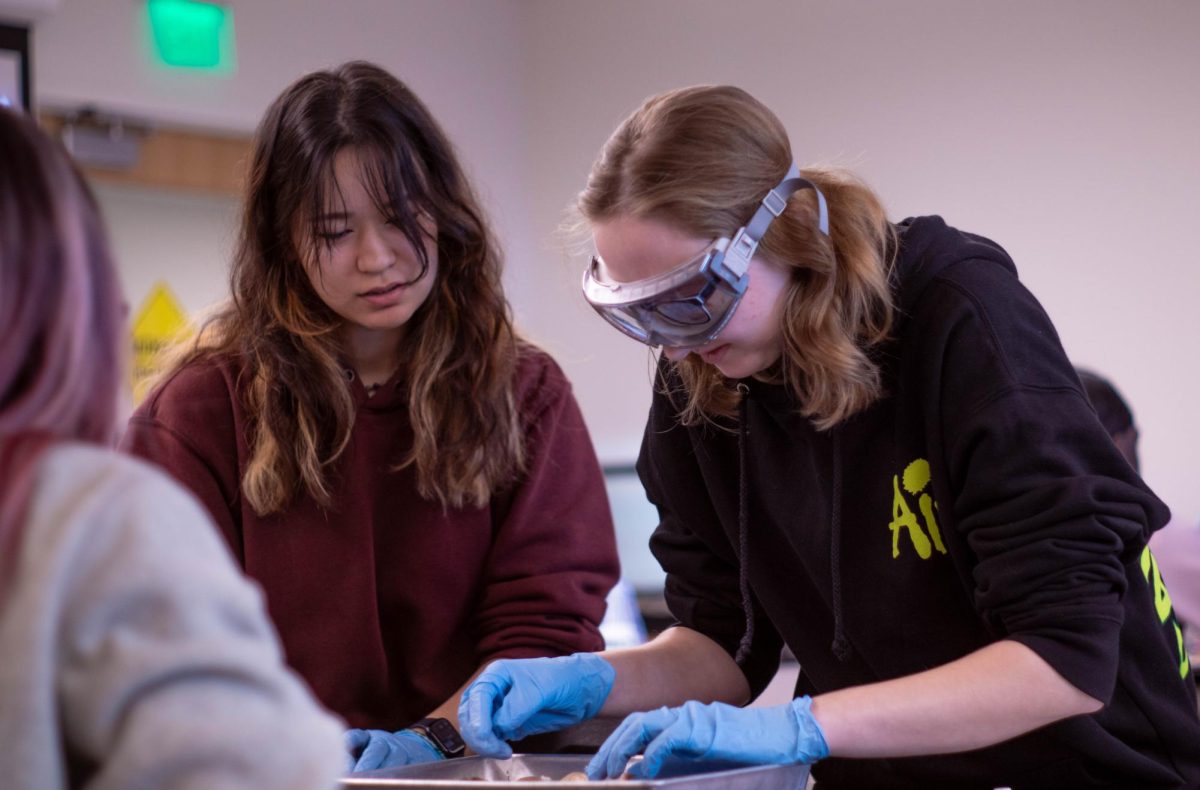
<point>779,735</point>
<point>514,698</point>
<point>371,749</point>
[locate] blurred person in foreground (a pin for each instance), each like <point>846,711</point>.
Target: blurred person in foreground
<point>135,655</point>
<point>867,443</point>
<point>410,481</point>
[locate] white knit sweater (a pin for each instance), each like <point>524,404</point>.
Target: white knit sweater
<point>133,654</point>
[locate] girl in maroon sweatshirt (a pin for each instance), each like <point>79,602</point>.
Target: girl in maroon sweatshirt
<point>411,484</point>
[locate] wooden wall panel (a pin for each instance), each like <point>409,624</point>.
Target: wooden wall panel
<point>177,159</point>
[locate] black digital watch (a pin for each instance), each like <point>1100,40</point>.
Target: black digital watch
<point>443,736</point>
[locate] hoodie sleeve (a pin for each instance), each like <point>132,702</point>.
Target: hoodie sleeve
<point>1050,511</point>
<point>702,586</point>
<point>554,556</point>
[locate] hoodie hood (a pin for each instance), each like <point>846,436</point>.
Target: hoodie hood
<point>927,247</point>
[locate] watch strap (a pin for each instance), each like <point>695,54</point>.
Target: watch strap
<point>442,734</point>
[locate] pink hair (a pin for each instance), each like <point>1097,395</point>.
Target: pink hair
<point>61,314</point>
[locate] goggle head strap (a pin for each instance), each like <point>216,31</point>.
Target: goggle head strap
<point>736,258</point>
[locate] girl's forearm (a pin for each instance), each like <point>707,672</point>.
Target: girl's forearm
<point>679,665</point>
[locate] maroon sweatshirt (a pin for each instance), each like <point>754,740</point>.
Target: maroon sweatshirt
<point>387,603</point>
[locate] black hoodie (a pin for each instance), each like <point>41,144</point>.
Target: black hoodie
<point>980,499</point>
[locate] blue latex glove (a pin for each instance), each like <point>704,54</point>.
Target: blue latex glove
<point>371,749</point>
<point>514,698</point>
<point>779,735</point>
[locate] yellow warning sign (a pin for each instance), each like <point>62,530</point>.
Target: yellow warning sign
<point>160,323</point>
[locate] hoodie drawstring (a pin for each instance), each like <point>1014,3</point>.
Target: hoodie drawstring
<point>743,528</point>
<point>840,646</point>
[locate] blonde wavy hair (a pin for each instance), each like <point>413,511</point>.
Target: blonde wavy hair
<point>460,350</point>
<point>701,159</point>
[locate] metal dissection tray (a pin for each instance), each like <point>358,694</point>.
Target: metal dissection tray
<point>476,772</point>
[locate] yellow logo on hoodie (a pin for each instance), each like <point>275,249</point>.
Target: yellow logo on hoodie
<point>1162,606</point>
<point>916,480</point>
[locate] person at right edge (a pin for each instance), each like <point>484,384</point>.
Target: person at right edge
<point>867,443</point>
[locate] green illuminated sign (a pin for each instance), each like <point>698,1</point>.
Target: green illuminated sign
<point>192,34</point>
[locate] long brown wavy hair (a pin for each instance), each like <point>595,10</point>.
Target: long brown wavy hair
<point>459,350</point>
<point>701,159</point>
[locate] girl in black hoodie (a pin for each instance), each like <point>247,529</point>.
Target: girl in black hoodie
<point>866,443</point>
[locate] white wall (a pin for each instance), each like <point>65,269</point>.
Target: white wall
<point>1064,130</point>
<point>180,238</point>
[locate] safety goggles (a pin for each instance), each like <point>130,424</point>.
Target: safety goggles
<point>689,305</point>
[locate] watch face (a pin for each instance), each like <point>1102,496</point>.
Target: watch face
<point>442,732</point>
